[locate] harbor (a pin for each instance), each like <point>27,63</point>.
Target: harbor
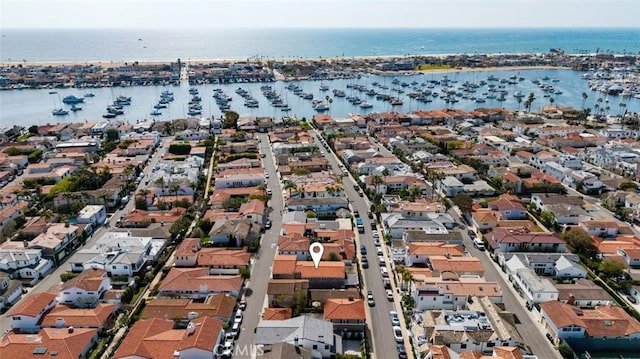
<point>367,93</point>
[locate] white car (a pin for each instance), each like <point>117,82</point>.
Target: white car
<point>395,321</point>
<point>266,175</point>
<point>227,350</point>
<point>397,334</point>
<point>390,296</point>
<point>238,317</point>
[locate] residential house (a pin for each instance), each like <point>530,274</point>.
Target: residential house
<point>584,293</point>
<point>283,292</point>
<point>228,261</point>
<point>461,266</point>
<point>519,240</point>
<point>417,254</point>
<point>566,214</point>
<point>438,293</point>
<point>61,343</point>
<point>631,256</point>
<point>484,220</point>
<point>197,283</point>
<point>600,228</point>
<point>158,339</point>
<point>253,210</point>
<point>347,315</point>
<point>57,241</point>
<point>605,328</point>
<point>234,232</point>
<point>24,263</point>
<point>218,306</point>
<point>320,206</point>
<point>100,317</point>
<point>450,186</point>
<point>239,178</point>
<point>481,329</point>
<point>542,200</point>
<point>120,254</point>
<point>509,207</point>
<point>558,265</point>
<point>10,291</point>
<point>96,215</point>
<point>26,315</point>
<point>535,289</point>
<point>86,289</point>
<point>313,334</point>
<point>186,254</point>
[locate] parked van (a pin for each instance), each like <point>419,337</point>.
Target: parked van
<point>478,243</point>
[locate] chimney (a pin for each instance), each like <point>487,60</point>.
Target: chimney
<point>572,299</point>
<point>59,323</point>
<point>296,342</point>
<point>70,329</point>
<point>25,243</point>
<point>176,354</point>
<point>351,298</point>
<point>191,328</point>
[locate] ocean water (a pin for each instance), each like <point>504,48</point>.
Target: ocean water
<point>27,107</point>
<point>169,45</point>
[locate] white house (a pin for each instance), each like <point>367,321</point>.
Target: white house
<point>534,288</point>
<point>25,263</point>
<point>556,170</point>
<point>438,294</point>
<point>600,228</point>
<point>26,315</point>
<point>10,290</point>
<point>450,186</point>
<point>314,334</point>
<point>86,289</point>
<point>631,256</point>
<point>558,265</point>
<point>94,214</point>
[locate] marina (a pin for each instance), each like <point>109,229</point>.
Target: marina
<point>369,93</point>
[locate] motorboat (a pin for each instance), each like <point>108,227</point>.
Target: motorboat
<point>155,113</point>
<point>70,100</point>
<point>75,108</point>
<point>60,112</point>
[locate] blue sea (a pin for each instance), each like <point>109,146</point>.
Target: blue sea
<point>28,107</point>
<point>168,45</point>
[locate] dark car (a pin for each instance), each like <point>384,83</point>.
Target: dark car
<point>267,225</point>
<point>365,262</point>
<point>363,250</point>
<point>356,213</point>
<point>370,214</point>
<point>471,233</point>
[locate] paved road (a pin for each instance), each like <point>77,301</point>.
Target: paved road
<point>54,277</point>
<point>383,344</point>
<point>256,289</point>
<point>530,330</point>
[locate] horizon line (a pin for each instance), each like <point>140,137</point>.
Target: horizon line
<point>337,28</point>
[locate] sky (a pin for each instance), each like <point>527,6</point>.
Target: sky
<point>194,14</point>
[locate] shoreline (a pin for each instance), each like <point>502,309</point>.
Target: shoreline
<point>110,63</point>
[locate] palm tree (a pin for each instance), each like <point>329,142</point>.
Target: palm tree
<point>160,182</point>
<point>529,101</point>
<point>551,101</point>
<point>407,277</point>
<point>289,185</point>
<point>175,188</point>
<point>584,99</point>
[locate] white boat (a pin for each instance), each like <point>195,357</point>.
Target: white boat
<point>366,105</point>
<point>60,112</point>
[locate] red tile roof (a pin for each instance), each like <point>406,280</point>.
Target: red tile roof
<point>32,305</point>
<point>344,309</point>
<point>67,345</point>
<point>277,313</point>
<point>218,257</point>
<point>193,278</point>
<point>156,338</point>
<point>79,317</point>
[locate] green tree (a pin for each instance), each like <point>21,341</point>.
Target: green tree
<point>579,240</point>
<point>529,101</point>
<point>112,135</point>
<point>175,188</point>
<point>230,120</point>
<point>547,218</point>
<point>301,171</point>
<point>626,185</point>
<point>300,303</point>
<point>33,129</point>
<point>245,273</point>
<point>610,268</point>
<point>463,201</point>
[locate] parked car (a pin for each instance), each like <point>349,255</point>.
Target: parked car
<point>243,305</point>
<point>370,300</point>
<point>478,243</point>
<point>471,234</point>
<point>238,317</point>
<point>363,250</point>
<point>397,334</point>
<point>370,214</point>
<point>389,295</point>
<point>235,330</point>
<point>365,262</point>
<point>356,213</point>
<point>268,224</point>
<point>395,321</point>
